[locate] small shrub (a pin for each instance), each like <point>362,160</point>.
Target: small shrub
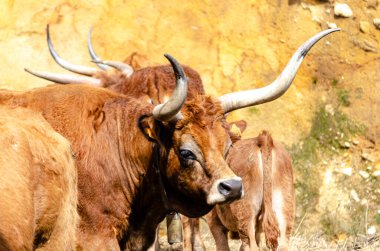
<point>344,98</point>
<point>377,218</point>
<point>254,110</point>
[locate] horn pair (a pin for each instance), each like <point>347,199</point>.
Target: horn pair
<point>230,101</point>
<point>162,112</point>
<point>89,72</point>
<point>105,65</point>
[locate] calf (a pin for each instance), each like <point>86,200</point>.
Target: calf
<point>38,184</point>
<point>269,202</point>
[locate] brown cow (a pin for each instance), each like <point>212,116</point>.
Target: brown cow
<point>148,78</point>
<point>38,184</point>
<point>243,216</point>
<point>152,84</point>
<point>266,169</point>
<point>135,161</point>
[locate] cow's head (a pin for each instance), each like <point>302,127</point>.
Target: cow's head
<point>192,136</point>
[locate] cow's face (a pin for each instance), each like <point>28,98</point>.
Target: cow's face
<point>196,164</point>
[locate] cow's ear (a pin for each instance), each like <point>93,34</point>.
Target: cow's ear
<point>147,126</point>
<point>238,127</point>
<point>98,118</point>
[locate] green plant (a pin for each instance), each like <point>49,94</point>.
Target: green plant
<point>328,133</point>
<point>344,98</point>
<point>377,218</point>
<point>334,82</point>
<point>254,110</point>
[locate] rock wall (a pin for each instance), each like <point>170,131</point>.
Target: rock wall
<point>235,45</point>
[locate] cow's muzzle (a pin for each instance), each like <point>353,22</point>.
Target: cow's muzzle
<point>231,189</point>
<point>225,190</point>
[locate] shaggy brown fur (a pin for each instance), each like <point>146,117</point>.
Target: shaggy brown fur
<point>38,184</point>
<point>151,83</point>
<point>253,159</point>
<point>120,201</point>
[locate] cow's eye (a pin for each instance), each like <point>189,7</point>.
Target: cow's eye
<point>186,154</point>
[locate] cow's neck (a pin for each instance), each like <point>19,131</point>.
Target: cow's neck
<point>115,161</point>
<point>148,208</point>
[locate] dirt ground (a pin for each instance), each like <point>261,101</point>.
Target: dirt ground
<point>297,243</point>
<point>206,237</point>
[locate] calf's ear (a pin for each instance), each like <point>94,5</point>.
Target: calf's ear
<point>240,125</point>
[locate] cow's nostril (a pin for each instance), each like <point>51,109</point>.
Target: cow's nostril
<point>224,188</point>
<point>232,189</point>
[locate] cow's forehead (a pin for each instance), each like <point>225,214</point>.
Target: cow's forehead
<point>206,136</point>
<point>203,111</point>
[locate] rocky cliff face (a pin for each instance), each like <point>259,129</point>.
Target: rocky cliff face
<point>234,46</point>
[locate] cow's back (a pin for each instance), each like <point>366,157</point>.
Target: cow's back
<point>154,84</point>
<point>38,184</point>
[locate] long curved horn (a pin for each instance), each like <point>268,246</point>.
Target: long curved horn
<point>84,70</point>
<point>93,55</point>
<point>171,108</point>
<point>238,100</point>
<point>65,79</point>
<point>103,64</point>
<point>124,68</point>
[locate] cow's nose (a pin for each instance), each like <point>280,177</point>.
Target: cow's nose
<point>231,189</point>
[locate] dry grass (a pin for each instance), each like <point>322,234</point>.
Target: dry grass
<point>298,242</point>
<point>317,242</point>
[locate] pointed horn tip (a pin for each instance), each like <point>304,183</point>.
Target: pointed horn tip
<point>98,61</point>
<point>48,30</point>
<point>178,70</point>
<point>31,72</point>
<point>167,55</point>
<point>334,29</point>
<point>28,71</point>
<point>171,59</point>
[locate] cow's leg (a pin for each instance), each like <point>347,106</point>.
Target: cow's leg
<point>156,244</point>
<point>192,240</point>
<point>197,242</point>
<point>247,233</point>
<point>187,230</point>
<point>253,243</point>
<point>219,232</point>
<point>258,232</point>
<point>278,206</point>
